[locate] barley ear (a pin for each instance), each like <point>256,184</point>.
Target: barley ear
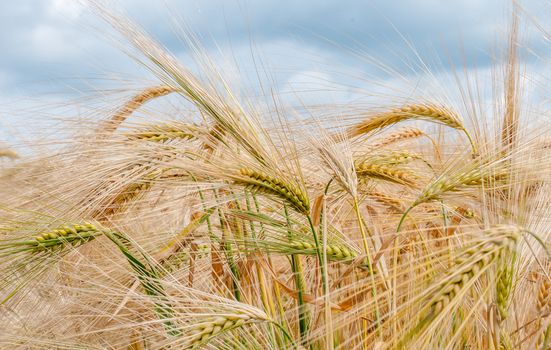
<point>504,285</point>
<point>129,107</point>
<point>473,262</point>
<point>260,182</point>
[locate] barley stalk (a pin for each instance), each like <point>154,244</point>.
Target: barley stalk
<point>546,339</point>
<point>149,279</point>
<point>296,268</point>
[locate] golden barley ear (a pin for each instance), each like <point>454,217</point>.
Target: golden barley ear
<point>392,203</point>
<point>165,132</point>
<point>384,172</point>
<point>136,102</point>
<point>428,112</point>
<point>544,301</point>
<point>423,111</point>
<point>8,153</point>
<point>399,136</point>
<point>543,306</point>
<point>473,262</point>
<point>30,257</point>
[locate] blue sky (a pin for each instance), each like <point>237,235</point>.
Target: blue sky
<point>56,49</point>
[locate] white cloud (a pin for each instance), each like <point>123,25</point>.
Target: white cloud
<point>70,9</point>
<point>51,43</point>
<point>4,79</point>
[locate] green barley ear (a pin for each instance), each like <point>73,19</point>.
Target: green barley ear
<point>31,256</point>
<point>452,182</point>
<point>260,182</point>
<point>504,285</point>
<point>205,330</point>
<point>67,234</point>
<point>334,252</point>
<point>476,173</point>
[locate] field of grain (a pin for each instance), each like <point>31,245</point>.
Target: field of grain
<point>412,224</point>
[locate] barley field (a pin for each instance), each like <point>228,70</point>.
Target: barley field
<point>215,222</point>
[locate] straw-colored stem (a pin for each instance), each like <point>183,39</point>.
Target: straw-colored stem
<point>370,265</point>
<point>266,298</point>
<point>277,290</point>
<point>329,339</point>
<point>471,141</point>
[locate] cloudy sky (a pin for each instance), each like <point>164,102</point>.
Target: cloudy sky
<point>54,49</point>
